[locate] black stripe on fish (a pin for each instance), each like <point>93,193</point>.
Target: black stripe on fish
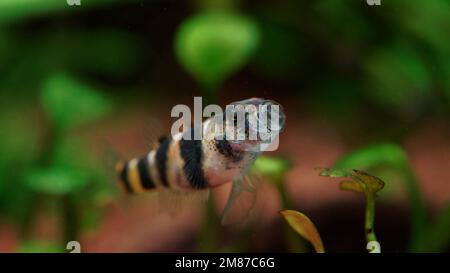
<point>224,147</point>
<point>144,173</point>
<point>192,153</point>
<point>161,159</point>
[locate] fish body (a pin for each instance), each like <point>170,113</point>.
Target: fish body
<point>180,162</point>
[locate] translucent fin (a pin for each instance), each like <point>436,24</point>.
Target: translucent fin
<point>241,201</point>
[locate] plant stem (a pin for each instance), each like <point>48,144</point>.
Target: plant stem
<point>370,218</point>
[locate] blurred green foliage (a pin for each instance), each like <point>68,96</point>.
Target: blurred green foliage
<point>39,247</point>
<point>357,66</point>
<point>398,79</point>
<point>213,45</point>
<point>436,237</point>
<point>280,54</point>
<point>65,171</point>
<point>100,52</point>
<point>14,10</point>
<point>56,180</point>
<point>69,103</point>
<point>272,167</point>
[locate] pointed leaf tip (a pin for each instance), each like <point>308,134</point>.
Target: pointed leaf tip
<point>372,183</point>
<point>305,227</point>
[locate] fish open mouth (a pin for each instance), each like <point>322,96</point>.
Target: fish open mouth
<point>253,121</point>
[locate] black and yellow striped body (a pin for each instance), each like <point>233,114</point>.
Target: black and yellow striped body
<point>174,164</point>
<point>178,163</point>
<point>134,175</point>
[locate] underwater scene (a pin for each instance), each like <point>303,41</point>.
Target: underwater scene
<point>226,126</point>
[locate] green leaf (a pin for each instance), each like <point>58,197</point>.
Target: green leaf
<point>388,161</point>
<point>271,167</point>
<point>57,180</point>
<point>213,45</point>
<point>69,102</point>
<point>369,183</point>
<point>380,154</point>
<point>304,227</point>
<point>359,181</point>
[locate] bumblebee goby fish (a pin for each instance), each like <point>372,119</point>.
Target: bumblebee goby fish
<point>229,145</point>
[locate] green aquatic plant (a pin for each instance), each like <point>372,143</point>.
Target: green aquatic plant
<point>388,156</point>
<point>356,181</point>
<point>213,45</point>
<point>60,175</point>
<point>63,178</point>
<point>360,182</point>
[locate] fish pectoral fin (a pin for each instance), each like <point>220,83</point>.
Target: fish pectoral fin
<point>240,201</point>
